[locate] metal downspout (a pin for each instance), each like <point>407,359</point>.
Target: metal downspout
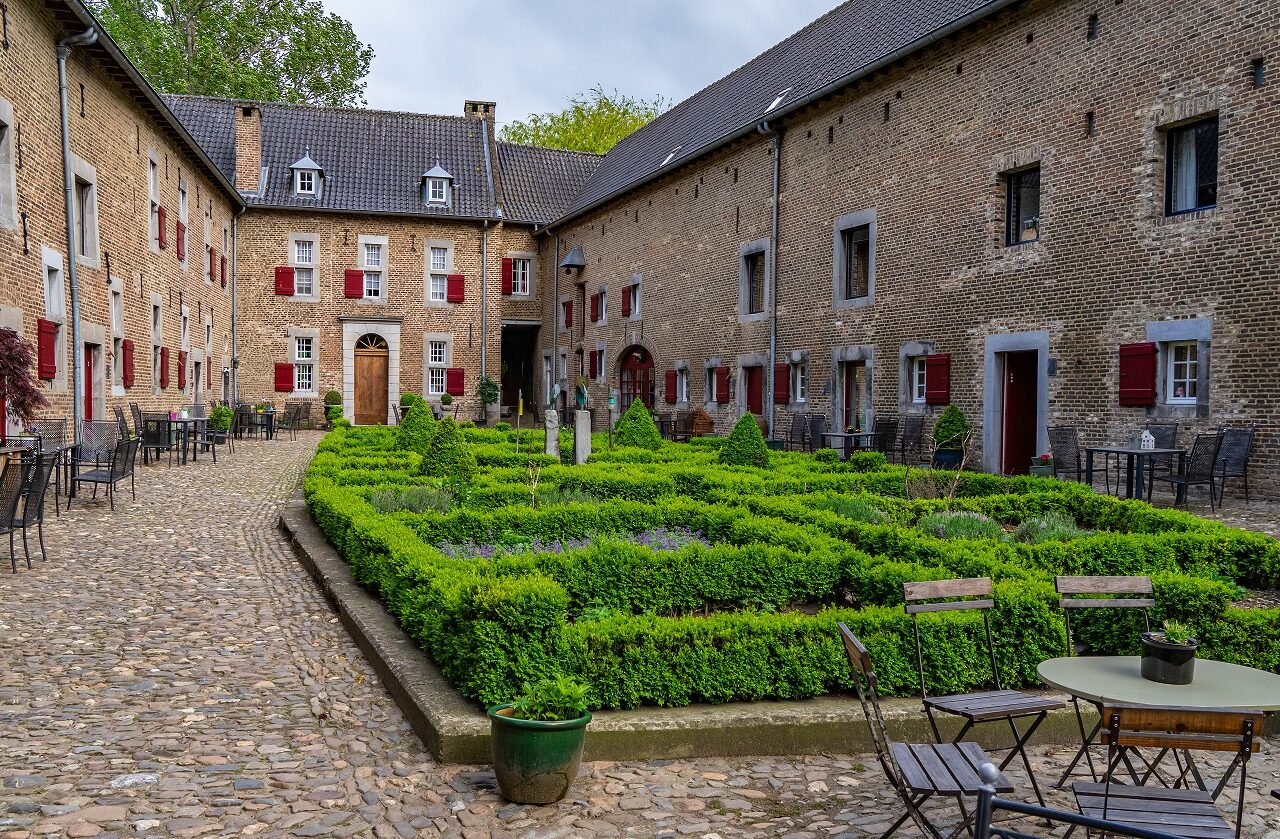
<point>555,318</point>
<point>775,135</point>
<point>235,339</point>
<point>63,51</point>
<point>484,312</point>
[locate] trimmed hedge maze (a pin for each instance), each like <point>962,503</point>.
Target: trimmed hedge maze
<point>658,577</point>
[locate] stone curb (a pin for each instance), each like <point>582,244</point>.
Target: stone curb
<point>456,730</point>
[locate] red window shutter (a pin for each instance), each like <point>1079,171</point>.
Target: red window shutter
<point>568,314</point>
<point>1138,375</point>
<point>126,363</point>
<point>453,381</point>
<point>284,377</point>
<point>506,276</point>
<point>182,370</point>
<point>180,242</point>
<point>284,280</point>
<point>352,282</point>
<point>781,384</point>
<point>595,308</point>
<point>595,369</point>
<point>208,374</point>
<point>671,387</point>
<point>161,221</point>
<point>222,268</point>
<point>455,288</point>
<point>164,367</point>
<point>937,379</point>
<point>47,349</point>
<point>626,301</point>
<point>722,385</point>
<point>213,264</point>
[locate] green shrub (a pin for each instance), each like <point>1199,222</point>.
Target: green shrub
<point>416,429</point>
<point>502,426</point>
<point>636,428</point>
<point>415,499</point>
<point>332,397</point>
<point>827,456</point>
<point>559,495</point>
<point>745,446</point>
<point>408,399</point>
<point>961,524</point>
<point>447,456</point>
<point>1055,527</point>
<point>858,509</point>
<point>220,418</point>
<point>333,414</point>
<point>951,429</point>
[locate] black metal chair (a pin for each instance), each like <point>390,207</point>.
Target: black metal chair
<point>817,432</point>
<point>1064,445</point>
<point>98,439</point>
<point>292,417</point>
<point>118,469</point>
<point>911,442</point>
<point>157,436</point>
<point>797,435</point>
<point>983,706</point>
<point>121,422</point>
<point>1166,437</point>
<point>52,434</point>
<point>916,771</point>
<point>40,468</point>
<point>885,430</point>
<point>1233,458</point>
<point>1198,470</point>
<point>136,412</point>
<point>13,479</point>
<point>205,439</point>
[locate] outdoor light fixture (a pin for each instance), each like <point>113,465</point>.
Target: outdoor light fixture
<point>574,261</point>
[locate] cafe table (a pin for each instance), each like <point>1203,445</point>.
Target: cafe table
<point>188,426</point>
<point>1105,680</point>
<point>1136,466</point>
<point>863,439</point>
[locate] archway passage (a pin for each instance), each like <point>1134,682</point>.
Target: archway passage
<point>635,377</point>
<point>372,357</point>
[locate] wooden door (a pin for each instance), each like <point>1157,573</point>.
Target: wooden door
<point>371,387</point>
<point>635,378</point>
<point>1018,420</point>
<point>856,399</point>
<point>755,389</point>
<point>88,382</point>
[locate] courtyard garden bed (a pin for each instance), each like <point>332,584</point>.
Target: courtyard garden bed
<point>662,577</point>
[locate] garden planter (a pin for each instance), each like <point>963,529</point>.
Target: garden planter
<point>535,761</point>
<point>1167,663</point>
<point>947,458</point>
<point>1041,469</point>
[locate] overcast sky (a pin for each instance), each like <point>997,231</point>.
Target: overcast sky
<point>528,55</point>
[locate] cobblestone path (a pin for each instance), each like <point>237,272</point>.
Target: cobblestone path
<point>170,670</point>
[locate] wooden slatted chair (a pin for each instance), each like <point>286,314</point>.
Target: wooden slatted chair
<point>917,771</point>
<point>982,706</point>
<point>1098,593</point>
<point>1181,810</point>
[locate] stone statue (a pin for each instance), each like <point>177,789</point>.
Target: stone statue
<point>551,419</point>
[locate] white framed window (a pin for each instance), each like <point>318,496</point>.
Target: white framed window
<point>521,270</point>
<point>1191,167</point>
<point>8,172</point>
<point>438,287</point>
<point>305,182</point>
<point>373,262</point>
<point>304,267</point>
<point>916,367</point>
<point>304,363</point>
<point>604,304</point>
<point>55,309</point>
<point>438,352</point>
<point>116,306</point>
<point>1183,372</point>
<point>437,191</point>
<point>153,189</point>
<point>186,329</point>
<point>682,384</point>
<point>182,239</point>
<point>85,210</point>
<point>709,383</point>
<point>439,262</point>
<point>633,291</point>
<point>800,382</point>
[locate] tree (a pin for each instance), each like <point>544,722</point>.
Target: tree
<point>745,446</point>
<point>594,121</point>
<point>636,428</point>
<point>269,50</point>
<point>20,394</point>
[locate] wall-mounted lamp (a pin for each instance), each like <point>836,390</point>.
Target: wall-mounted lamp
<point>574,261</point>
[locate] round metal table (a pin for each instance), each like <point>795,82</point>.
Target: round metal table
<point>1103,679</point>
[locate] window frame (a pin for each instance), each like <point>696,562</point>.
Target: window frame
<point>308,364</point>
<point>752,254</point>
<point>799,384</point>
<point>443,184</point>
<point>682,385</point>
<point>433,275</point>
<point>8,168</point>
<point>153,192</point>
<point>521,270</point>
<point>1192,364</point>
<point>377,273</point>
<point>1014,225</point>
<point>1172,134</point>
<point>917,369</point>
<point>298,265</point>
<point>297,182</point>
<point>840,259</point>
<point>633,289</point>
<point>433,370</point>
<point>85,212</point>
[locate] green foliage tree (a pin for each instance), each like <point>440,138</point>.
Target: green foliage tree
<point>447,456</point>
<point>636,428</point>
<point>952,429</point>
<point>745,446</point>
<point>270,50</point>
<point>594,122</point>
<point>416,428</point>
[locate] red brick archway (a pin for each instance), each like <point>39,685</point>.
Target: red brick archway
<point>635,377</point>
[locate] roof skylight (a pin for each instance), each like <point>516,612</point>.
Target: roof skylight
<point>777,100</point>
<point>670,156</point>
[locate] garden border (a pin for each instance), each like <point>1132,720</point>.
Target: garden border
<point>455,729</point>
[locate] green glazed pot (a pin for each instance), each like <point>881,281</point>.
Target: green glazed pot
<point>535,761</point>
<point>1043,470</point>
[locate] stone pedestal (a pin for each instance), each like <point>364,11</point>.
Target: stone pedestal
<point>552,423</point>
<point>581,436</point>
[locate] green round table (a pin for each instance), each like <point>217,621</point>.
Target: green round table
<point>1103,679</point>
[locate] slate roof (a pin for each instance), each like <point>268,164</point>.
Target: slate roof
<point>538,184</point>
<point>847,39</point>
<point>373,160</point>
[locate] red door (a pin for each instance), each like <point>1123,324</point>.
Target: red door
<point>1018,423</point>
<point>635,377</point>
<point>88,383</point>
<point>755,389</point>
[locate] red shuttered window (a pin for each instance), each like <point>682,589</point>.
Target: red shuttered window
<point>781,384</point>
<point>182,370</point>
<point>595,364</point>
<point>353,283</point>
<point>162,234</point>
<point>47,349</point>
<point>180,242</point>
<point>626,301</point>
<point>568,314</point>
<point>595,308</point>
<point>670,387</point>
<point>937,379</point>
<point>222,268</point>
<point>284,377</point>
<point>453,381</point>
<point>164,367</point>
<point>126,362</point>
<point>213,265</point>
<point>284,281</point>
<point>456,288</point>
<point>506,276</point>
<point>1138,374</point>
<point>722,385</point>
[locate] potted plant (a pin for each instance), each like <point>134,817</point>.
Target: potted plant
<point>1169,656</point>
<point>332,406</point>
<point>20,392</point>
<point>488,393</point>
<point>537,740</point>
<point>950,434</point>
<point>445,401</point>
<point>220,418</point>
<point>1042,465</point>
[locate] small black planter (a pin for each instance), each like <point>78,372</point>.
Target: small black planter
<point>947,458</point>
<point>1166,663</point>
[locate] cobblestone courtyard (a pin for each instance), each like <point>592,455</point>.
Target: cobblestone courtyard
<point>170,670</point>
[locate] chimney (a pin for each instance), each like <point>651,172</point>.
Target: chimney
<point>248,148</point>
<point>475,109</point>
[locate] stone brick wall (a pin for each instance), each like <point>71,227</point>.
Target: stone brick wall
<point>926,145</point>
<point>112,138</point>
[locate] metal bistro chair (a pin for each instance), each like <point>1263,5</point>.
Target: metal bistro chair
<point>1064,445</point>
<point>886,435</point>
<point>817,432</point>
<point>293,417</point>
<point>797,435</point>
<point>1198,470</point>
<point>204,438</point>
<point>40,468</point>
<point>12,481</point>
<point>917,771</point>
<point>97,443</point>
<point>911,443</point>
<point>119,468</point>
<point>157,437</point>
<point>1099,593</point>
<point>121,422</point>
<point>1181,809</point>
<point>982,706</point>
<point>1166,437</point>
<point>1233,458</point>
<point>52,434</point>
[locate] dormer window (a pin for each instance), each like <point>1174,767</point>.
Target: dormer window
<point>307,177</point>
<point>436,187</point>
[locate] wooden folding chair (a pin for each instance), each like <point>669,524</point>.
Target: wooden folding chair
<point>1099,593</point>
<point>917,771</point>
<point>983,706</point>
<point>1181,810</point>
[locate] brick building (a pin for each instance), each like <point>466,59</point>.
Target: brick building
<point>1043,211</point>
